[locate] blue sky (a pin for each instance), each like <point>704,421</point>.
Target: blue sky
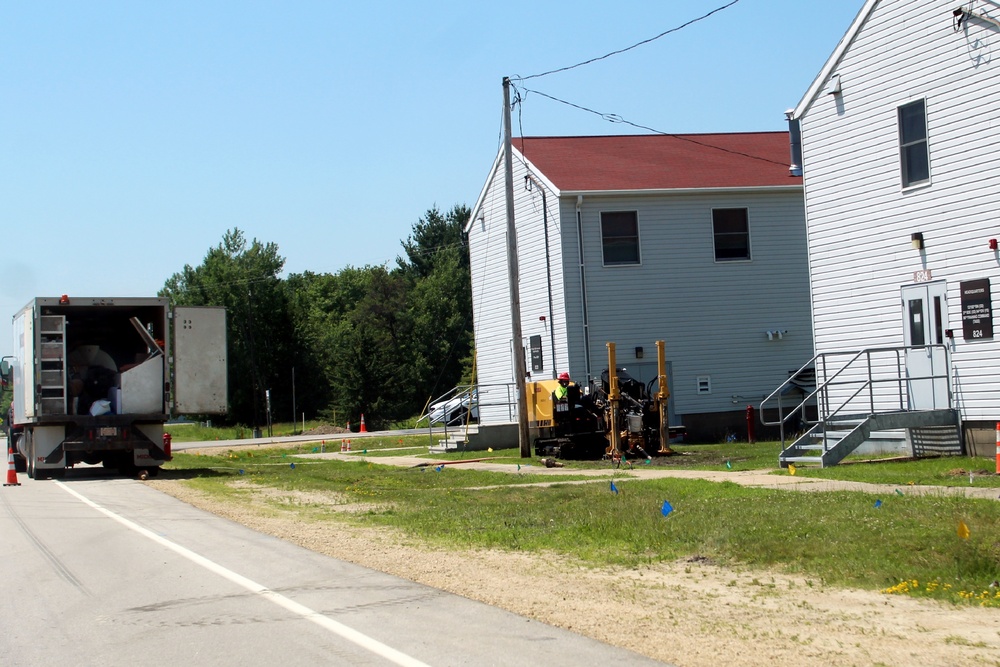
<point>134,134</point>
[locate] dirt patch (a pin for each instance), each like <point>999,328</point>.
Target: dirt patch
<point>691,613</point>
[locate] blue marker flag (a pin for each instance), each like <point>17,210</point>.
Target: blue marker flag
<point>241,471</point>
<point>667,508</point>
<point>439,468</point>
<point>292,466</point>
<point>614,489</point>
<point>878,503</point>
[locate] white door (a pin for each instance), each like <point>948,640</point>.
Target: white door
<point>200,372</point>
<point>925,313</point>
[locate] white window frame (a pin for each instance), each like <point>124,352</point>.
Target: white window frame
<point>638,242</point>
<point>905,147</point>
<point>704,384</point>
<point>715,249</point>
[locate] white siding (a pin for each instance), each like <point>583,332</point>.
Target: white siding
<point>491,286</point>
<point>859,218</point>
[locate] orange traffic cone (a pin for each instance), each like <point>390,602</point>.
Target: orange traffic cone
<point>343,445</point>
<point>998,448</point>
<point>349,444</point>
<point>11,470</point>
<point>363,429</point>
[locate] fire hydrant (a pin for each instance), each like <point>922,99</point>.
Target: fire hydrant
<point>751,424</point>
<point>166,447</point>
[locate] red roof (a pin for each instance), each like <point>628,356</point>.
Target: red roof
<point>661,162</point>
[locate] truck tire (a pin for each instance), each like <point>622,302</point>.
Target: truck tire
<point>29,453</point>
<point>20,463</point>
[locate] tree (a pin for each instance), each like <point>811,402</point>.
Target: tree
<point>437,268</point>
<point>244,279</point>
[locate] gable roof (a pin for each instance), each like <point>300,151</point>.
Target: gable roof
<point>834,60</point>
<point>660,161</point>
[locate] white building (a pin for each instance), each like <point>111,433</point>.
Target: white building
<point>899,147</point>
<point>697,240</point>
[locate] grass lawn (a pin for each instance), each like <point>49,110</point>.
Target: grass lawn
<point>898,542</point>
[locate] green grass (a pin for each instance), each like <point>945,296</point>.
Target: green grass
<point>941,471</point>
<point>909,544</point>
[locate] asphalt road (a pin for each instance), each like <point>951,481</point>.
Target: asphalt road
<point>105,571</point>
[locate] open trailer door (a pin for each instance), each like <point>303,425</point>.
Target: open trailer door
<point>200,375</point>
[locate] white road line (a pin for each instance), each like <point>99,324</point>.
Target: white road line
<point>350,634</point>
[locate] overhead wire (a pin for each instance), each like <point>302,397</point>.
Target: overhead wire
<point>520,93</point>
<point>629,48</point>
<point>615,118</point>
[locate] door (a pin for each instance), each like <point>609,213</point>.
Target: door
<point>200,372</point>
<point>925,313</point>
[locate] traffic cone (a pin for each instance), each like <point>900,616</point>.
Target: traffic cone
<point>363,429</point>
<point>11,470</point>
<point>349,443</point>
<point>998,448</point>
<point>343,445</point>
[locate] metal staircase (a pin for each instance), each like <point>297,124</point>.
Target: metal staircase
<point>868,401</point>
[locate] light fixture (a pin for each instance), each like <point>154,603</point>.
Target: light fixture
<point>638,353</point>
<point>917,239</point>
<point>993,244</point>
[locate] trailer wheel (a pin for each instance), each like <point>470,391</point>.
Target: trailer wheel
<point>20,463</point>
<point>29,452</point>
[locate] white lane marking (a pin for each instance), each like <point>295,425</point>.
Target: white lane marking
<point>350,634</point>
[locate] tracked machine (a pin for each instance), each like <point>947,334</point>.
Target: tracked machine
<point>615,416</point>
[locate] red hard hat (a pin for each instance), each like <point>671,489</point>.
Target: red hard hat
<point>564,376</point>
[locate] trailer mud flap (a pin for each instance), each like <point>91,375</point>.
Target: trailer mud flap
<point>55,456</point>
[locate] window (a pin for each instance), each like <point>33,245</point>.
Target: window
<point>620,237</point>
<point>731,227</point>
<point>913,156</point>
<point>704,384</point>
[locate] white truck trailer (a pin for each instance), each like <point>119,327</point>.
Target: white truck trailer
<point>95,380</point>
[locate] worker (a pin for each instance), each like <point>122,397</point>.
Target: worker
<point>560,397</point>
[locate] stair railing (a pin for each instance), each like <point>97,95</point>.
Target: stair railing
<point>832,377</point>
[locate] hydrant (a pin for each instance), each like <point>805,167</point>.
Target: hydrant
<point>166,447</point>
<point>751,423</point>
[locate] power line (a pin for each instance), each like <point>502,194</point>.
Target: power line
<point>629,48</point>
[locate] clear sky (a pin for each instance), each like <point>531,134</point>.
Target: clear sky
<point>133,134</point>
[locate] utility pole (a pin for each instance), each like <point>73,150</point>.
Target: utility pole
<point>515,291</point>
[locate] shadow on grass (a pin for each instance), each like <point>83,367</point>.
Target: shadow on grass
<point>192,473</point>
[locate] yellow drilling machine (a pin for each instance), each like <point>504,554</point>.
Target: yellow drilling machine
<point>615,416</point>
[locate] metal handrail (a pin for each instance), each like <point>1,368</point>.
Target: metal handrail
<point>821,393</point>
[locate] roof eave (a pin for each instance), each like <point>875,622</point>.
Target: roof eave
<point>497,164</point>
<point>834,60</point>
<point>794,187</point>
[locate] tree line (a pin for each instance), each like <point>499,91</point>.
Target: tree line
<point>374,340</point>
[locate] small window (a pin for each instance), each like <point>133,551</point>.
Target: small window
<point>620,237</point>
<point>913,153</point>
<point>705,384</point>
<point>731,227</point>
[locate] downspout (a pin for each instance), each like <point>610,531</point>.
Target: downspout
<point>548,271</point>
<point>583,286</point>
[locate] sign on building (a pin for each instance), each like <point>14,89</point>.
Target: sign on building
<point>977,309</point>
